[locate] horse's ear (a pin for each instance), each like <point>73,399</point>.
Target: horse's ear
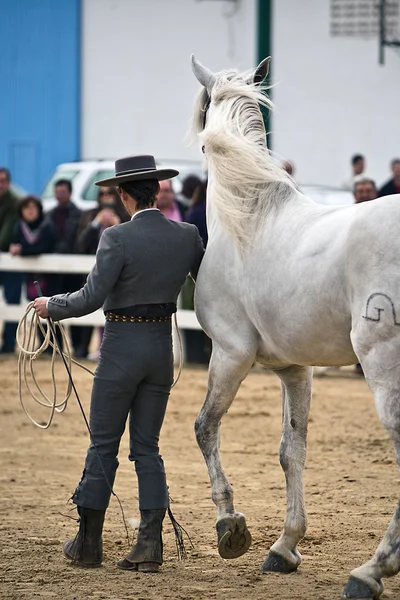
<point>203,75</point>
<point>261,72</point>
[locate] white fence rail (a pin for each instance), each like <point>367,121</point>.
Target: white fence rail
<point>67,263</point>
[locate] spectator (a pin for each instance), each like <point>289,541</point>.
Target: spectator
<point>110,211</point>
<point>196,213</point>
<point>168,204</point>
<point>288,166</point>
<point>189,185</point>
<point>11,282</point>
<point>93,222</point>
<point>33,235</point>
<point>197,343</point>
<point>364,189</point>
<point>65,219</point>
<point>358,167</point>
<point>393,185</point>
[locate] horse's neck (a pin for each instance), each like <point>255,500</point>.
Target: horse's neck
<point>297,209</point>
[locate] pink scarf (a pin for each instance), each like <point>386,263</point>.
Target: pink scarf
<point>30,236</point>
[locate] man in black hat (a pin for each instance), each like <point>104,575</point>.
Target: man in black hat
<point>140,268</point>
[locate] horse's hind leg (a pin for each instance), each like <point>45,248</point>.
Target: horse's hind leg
<point>296,395</point>
<point>226,372</point>
<point>384,381</point>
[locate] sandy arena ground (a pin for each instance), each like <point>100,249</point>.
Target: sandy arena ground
<point>351,481</point>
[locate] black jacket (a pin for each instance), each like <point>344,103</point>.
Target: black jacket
<point>66,243</point>
<point>44,244</point>
<point>388,189</point>
<point>8,218</point>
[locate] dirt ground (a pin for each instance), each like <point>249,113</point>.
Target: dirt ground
<point>351,482</point>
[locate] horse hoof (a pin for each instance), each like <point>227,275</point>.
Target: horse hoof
<point>359,590</point>
<point>234,539</point>
<point>275,563</point>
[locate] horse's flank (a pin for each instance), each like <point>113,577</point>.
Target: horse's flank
<point>247,183</point>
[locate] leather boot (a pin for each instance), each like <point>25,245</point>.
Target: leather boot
<point>146,555</point>
<point>86,548</point>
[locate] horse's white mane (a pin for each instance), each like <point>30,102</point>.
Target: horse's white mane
<point>248,184</point>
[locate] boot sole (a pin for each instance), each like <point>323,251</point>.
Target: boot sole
<point>145,567</point>
<point>148,567</point>
<point>126,565</point>
<point>82,565</point>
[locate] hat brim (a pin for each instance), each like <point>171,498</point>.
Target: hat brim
<point>159,174</point>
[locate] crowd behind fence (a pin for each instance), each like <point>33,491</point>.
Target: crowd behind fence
<point>71,264</point>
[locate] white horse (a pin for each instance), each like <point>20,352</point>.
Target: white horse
<point>289,283</point>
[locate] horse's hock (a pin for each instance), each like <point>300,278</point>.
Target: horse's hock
<point>351,485</point>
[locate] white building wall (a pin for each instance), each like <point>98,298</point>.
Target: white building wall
<point>332,97</point>
<point>137,85</point>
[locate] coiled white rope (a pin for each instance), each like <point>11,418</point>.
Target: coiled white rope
<point>28,353</point>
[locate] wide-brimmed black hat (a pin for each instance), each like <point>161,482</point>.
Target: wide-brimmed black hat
<point>134,168</point>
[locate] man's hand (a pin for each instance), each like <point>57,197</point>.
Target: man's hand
<point>40,306</point>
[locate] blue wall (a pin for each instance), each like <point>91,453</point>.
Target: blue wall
<point>39,87</point>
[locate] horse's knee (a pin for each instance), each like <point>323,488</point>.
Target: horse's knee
<point>292,451</point>
<point>284,455</point>
<point>206,430</point>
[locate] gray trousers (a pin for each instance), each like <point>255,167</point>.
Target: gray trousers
<point>133,377</point>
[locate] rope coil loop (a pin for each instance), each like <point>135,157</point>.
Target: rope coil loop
<point>29,353</point>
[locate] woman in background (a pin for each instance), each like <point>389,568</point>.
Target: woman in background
<point>33,235</point>
<point>109,211</point>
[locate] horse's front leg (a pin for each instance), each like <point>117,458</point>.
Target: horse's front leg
<point>296,395</point>
<point>226,372</point>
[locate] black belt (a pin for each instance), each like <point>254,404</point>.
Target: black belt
<point>165,309</point>
<point>110,316</point>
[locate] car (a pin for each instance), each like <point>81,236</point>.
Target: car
<point>18,191</point>
<point>83,175</point>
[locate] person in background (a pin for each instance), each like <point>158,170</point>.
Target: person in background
<point>170,207</point>
<point>93,222</point>
<point>196,213</point>
<point>197,343</point>
<point>364,189</point>
<point>32,235</point>
<point>288,166</point>
<point>11,282</point>
<point>189,185</point>
<point>110,211</point>
<point>358,167</point>
<point>393,185</point>
<point>65,218</point>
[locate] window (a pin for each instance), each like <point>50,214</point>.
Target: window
<point>69,174</point>
<point>91,190</point>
